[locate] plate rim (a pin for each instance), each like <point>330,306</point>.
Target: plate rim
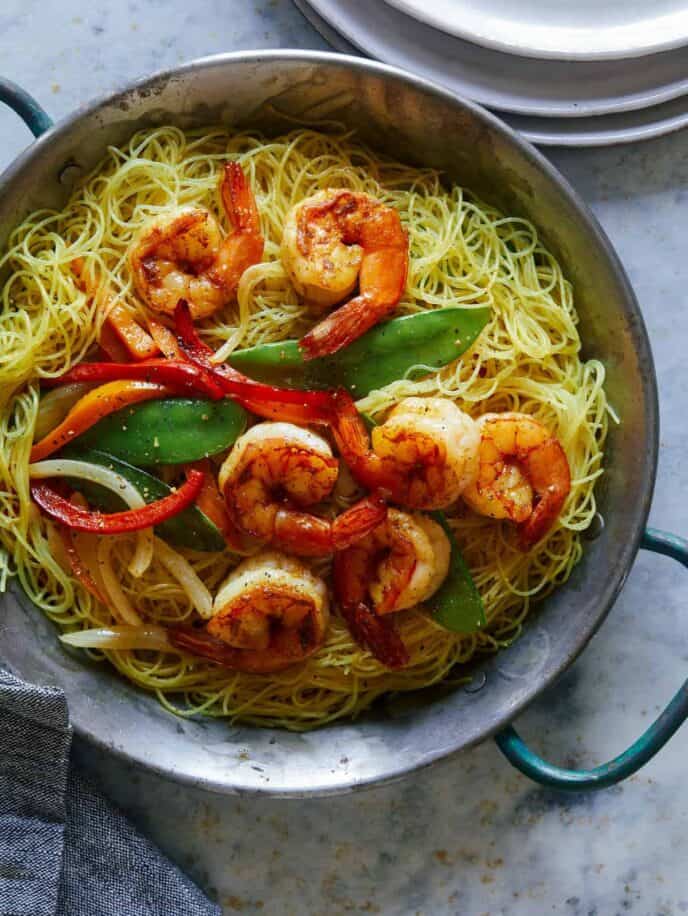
<point>576,52</point>
<point>541,137</point>
<point>353,23</point>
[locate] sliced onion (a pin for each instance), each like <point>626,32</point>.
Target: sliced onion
<point>111,480</point>
<point>55,405</point>
<point>86,546</point>
<point>184,573</point>
<point>119,603</point>
<point>148,636</point>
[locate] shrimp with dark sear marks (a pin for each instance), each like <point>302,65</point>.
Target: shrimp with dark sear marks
<point>274,472</point>
<point>333,241</point>
<point>424,454</point>
<point>184,255</point>
<point>523,474</point>
<point>271,612</point>
<point>397,566</point>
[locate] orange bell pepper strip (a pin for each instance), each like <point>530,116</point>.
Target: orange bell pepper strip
<point>95,405</point>
<point>111,345</point>
<point>78,519</point>
<point>119,326</point>
<point>137,341</point>
<point>165,339</point>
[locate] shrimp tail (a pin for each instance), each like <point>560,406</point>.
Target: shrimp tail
<point>377,634</point>
<point>238,200</point>
<point>203,645</point>
<point>307,535</point>
<point>340,328</point>
<point>302,534</point>
<point>358,521</point>
<point>353,442</point>
<point>383,277</point>
<point>542,518</point>
<point>548,463</point>
<point>244,247</point>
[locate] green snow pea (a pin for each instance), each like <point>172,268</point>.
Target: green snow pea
<point>388,352</point>
<point>191,528</point>
<point>456,605</point>
<point>170,431</point>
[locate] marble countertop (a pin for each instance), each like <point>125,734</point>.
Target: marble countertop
<point>470,836</point>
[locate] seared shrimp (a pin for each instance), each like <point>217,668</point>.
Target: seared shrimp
<point>183,254</point>
<point>523,474</point>
<point>425,453</point>
<point>269,613</point>
<point>397,566</point>
<point>273,473</point>
<point>332,241</point>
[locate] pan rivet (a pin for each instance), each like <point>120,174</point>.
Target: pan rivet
<point>478,682</point>
<point>595,528</point>
<point>69,173</point>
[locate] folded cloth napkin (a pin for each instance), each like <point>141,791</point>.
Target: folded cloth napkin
<point>64,849</point>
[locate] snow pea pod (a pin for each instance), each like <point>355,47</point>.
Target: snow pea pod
<point>409,346</point>
<point>169,431</point>
<point>190,528</point>
<point>456,605</point>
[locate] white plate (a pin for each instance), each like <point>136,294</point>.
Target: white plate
<point>502,81</point>
<point>605,130</point>
<point>567,29</point>
<point>589,131</point>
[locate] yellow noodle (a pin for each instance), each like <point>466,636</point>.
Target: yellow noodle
<point>462,251</point>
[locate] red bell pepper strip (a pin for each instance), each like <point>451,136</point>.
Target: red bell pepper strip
<point>287,404</point>
<point>62,510</point>
<point>95,405</point>
<point>178,374</point>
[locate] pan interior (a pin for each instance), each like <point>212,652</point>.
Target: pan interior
<point>417,123</point>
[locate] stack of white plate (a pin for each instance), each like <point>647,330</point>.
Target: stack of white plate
<point>576,73</point>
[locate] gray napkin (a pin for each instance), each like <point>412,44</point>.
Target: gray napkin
<point>64,849</point>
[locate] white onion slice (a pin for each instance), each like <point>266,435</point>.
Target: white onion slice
<point>120,604</point>
<point>111,480</point>
<point>184,573</point>
<point>148,636</point>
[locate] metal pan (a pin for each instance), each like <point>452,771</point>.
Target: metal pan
<point>423,124</point>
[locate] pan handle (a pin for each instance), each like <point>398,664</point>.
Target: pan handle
<point>637,755</point>
<point>28,109</point>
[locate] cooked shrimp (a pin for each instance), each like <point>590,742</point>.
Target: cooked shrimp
<point>523,474</point>
<point>183,254</point>
<point>401,563</point>
<point>425,453</point>
<point>273,473</point>
<point>332,241</point>
<point>397,566</point>
<point>269,613</point>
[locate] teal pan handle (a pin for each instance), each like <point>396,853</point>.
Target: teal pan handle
<point>637,755</point>
<point>28,109</point>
